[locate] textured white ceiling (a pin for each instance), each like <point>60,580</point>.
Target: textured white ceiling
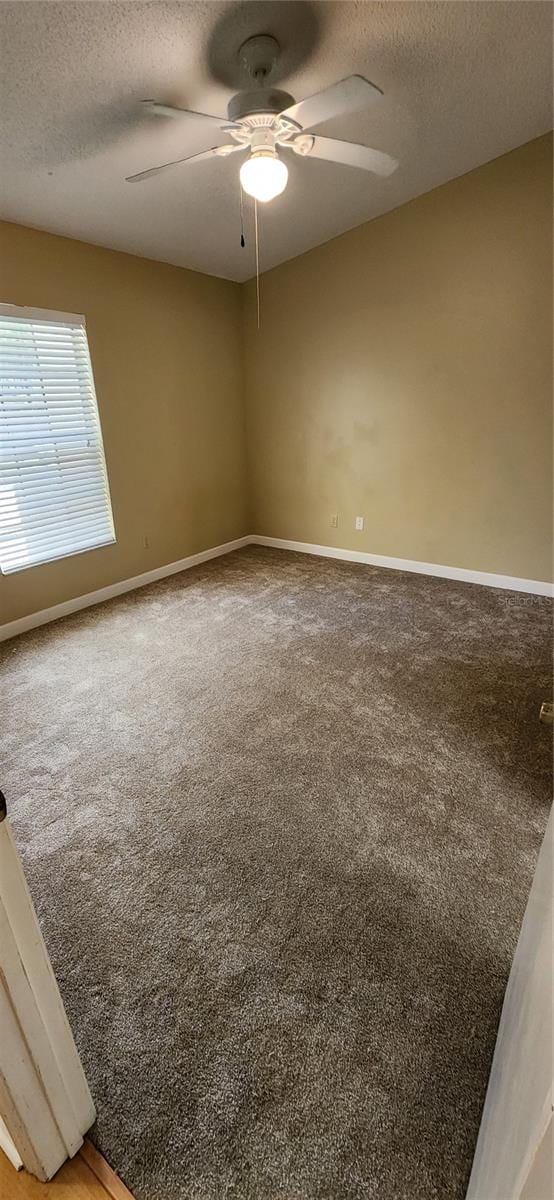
<point>463,83</point>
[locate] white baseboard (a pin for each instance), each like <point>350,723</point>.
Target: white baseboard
<point>513,584</point>
<point>33,620</point>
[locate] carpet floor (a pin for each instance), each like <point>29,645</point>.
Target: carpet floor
<point>279,816</point>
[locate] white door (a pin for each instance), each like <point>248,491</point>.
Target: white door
<point>512,1158</point>
<point>45,1103</point>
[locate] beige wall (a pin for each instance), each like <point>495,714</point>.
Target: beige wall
<point>403,373</point>
<point>166,354</point>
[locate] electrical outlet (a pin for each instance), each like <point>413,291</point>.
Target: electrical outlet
<point>359,523</point>
<point>334,521</point>
<point>146,542</point>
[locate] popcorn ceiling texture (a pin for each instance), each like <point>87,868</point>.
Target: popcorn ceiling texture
<point>463,83</point>
<point>279,816</point>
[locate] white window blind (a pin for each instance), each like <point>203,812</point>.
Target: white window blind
<point>54,495</point>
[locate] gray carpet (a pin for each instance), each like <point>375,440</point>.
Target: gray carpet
<point>279,816</point>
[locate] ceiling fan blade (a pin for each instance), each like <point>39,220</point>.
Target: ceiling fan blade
<point>353,155</point>
<point>344,97</point>
<point>214,152</point>
<point>171,110</point>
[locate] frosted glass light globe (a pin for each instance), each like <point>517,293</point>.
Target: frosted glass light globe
<point>264,176</point>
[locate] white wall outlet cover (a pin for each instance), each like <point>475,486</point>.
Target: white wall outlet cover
<point>334,521</point>
<point>359,523</point>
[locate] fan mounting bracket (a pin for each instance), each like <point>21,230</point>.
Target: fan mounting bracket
<point>258,56</point>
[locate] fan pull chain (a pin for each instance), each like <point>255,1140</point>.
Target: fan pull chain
<point>257,262</point>
<point>242,241</point>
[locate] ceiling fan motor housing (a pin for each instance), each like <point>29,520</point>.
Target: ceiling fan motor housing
<point>262,100</point>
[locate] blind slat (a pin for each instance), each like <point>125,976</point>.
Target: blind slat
<point>69,498</point>
<point>22,405</point>
<point>46,480</point>
<point>56,536</point>
<point>29,559</point>
<point>54,494</point>
<point>17,472</point>
<point>47,518</point>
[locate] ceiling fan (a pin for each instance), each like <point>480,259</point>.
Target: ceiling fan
<point>264,119</point>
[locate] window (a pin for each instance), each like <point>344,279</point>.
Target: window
<point>54,495</point>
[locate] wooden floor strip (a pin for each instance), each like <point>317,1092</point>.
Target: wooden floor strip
<point>111,1182</point>
<point>85,1177</point>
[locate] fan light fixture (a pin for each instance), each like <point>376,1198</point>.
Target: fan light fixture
<point>263,175</point>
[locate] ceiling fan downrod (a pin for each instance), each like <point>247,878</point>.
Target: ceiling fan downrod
<point>258,56</point>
